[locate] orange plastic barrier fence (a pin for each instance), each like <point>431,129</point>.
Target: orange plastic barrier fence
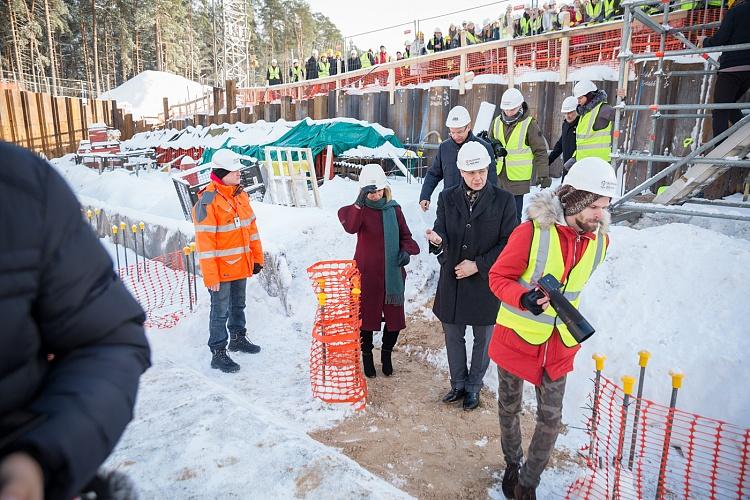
<point>161,287</point>
<point>335,370</point>
<point>640,449</point>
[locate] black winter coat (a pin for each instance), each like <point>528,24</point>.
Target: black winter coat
<point>479,235</point>
<point>59,295</point>
<point>732,31</point>
<point>311,68</point>
<point>353,64</point>
<point>566,144</point>
<point>444,167</point>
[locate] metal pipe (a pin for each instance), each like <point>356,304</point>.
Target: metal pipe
<point>684,161</point>
<point>624,50</point>
<point>637,207</point>
<point>696,72</point>
<point>719,162</point>
<point>685,107</point>
<point>698,27</point>
<point>660,485</point>
<point>657,87</point>
<point>643,357</point>
<point>627,383</point>
<point>599,359</point>
<point>718,203</point>
<point>659,116</point>
<point>688,52</point>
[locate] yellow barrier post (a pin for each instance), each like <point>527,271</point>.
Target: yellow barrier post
<point>97,214</point>
<point>643,357</point>
<point>117,249</point>
<point>142,227</point>
<point>322,305</point>
<point>599,362</point>
<point>628,382</point>
<point>677,377</point>
<point>186,251</point>
<point>195,272</point>
<point>123,230</point>
<point>134,229</point>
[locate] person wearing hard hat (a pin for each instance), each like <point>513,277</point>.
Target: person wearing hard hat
<point>273,74</point>
<point>520,148</point>
<point>436,43</point>
<point>566,236</point>
<point>311,66</point>
<point>324,66</point>
<point>474,221</point>
<point>353,63</point>
<point>594,129</point>
<point>566,144</point>
<point>444,165</point>
<point>229,252</point>
<point>337,63</point>
<point>296,72</point>
<point>384,247</point>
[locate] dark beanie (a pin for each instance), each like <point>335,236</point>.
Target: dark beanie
<point>220,172</point>
<point>574,200</point>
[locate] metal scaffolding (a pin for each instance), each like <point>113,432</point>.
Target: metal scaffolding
<point>705,155</point>
<point>231,42</point>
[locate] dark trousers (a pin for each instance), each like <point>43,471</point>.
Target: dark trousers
<point>519,207</point>
<point>227,311</point>
<point>730,87</point>
<point>462,377</point>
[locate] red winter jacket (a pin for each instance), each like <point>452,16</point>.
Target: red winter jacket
<point>507,349</point>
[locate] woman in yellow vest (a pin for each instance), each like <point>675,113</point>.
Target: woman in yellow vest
<point>324,67</point>
<point>594,130</point>
<point>566,236</point>
<point>520,148</point>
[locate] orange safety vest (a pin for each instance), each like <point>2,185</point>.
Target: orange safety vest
<point>226,235</point>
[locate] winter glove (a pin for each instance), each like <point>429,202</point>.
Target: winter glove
<point>484,135</point>
<point>403,258</point>
<point>528,301</point>
<point>360,201</point>
<point>500,151</point>
<point>544,182</point>
<point>257,268</point>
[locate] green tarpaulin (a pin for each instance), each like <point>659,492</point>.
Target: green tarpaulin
<point>341,135</point>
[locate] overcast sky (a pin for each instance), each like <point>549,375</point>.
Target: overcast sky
<point>352,18</point>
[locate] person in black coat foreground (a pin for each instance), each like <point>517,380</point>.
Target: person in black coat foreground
<point>72,344</point>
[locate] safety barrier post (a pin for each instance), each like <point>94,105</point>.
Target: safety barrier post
<point>142,227</point>
<point>123,228</point>
<point>627,387</point>
<point>186,252</point>
<point>134,228</point>
<point>195,272</point>
<point>599,359</point>
<point>643,357</point>
<point>117,250</point>
<point>322,305</point>
<point>661,483</point>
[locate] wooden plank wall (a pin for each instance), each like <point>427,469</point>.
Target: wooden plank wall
<point>47,124</point>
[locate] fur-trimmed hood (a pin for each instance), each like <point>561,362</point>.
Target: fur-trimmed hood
<point>599,96</point>
<point>545,208</point>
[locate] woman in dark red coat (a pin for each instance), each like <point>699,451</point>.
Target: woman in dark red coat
<point>384,246</point>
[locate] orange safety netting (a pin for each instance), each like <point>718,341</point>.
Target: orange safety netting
<point>641,449</point>
<point>335,370</point>
<point>161,286</point>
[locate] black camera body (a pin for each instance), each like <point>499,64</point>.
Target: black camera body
<point>577,325</point>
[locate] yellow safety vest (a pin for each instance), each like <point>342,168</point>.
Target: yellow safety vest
<point>323,69</point>
<point>609,8</point>
<point>519,161</point>
<point>593,11</point>
<point>274,73</point>
<point>590,142</point>
<point>545,258</point>
<point>470,39</point>
<point>364,59</point>
<point>297,74</point>
<point>525,26</point>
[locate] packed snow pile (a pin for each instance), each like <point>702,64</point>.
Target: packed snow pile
<point>142,95</point>
<point>675,289</point>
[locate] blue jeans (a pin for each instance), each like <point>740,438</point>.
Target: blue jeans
<point>227,312</point>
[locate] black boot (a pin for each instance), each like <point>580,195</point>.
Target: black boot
<point>510,480</point>
<point>389,341</point>
<point>238,342</point>
<point>522,492</point>
<point>368,364</point>
<point>222,361</point>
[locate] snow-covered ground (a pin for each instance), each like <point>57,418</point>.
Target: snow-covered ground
<point>676,289</point>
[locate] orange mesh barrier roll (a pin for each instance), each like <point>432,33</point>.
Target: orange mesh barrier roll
<point>335,370</point>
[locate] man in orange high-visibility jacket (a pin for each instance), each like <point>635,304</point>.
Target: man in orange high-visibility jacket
<point>229,252</point>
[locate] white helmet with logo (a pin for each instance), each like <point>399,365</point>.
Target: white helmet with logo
<point>458,117</point>
<point>473,156</point>
<point>372,174</point>
<point>512,98</point>
<point>593,175</point>
<point>569,104</point>
<point>227,160</point>
<point>583,87</point>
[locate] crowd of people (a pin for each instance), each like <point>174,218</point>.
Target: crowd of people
<point>513,23</point>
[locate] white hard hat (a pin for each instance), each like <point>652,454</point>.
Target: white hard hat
<point>353,53</point>
<point>583,87</point>
<point>458,116</point>
<point>315,52</point>
<point>372,174</point>
<point>227,160</point>
<point>274,62</point>
<point>438,30</point>
<point>512,98</point>
<point>188,160</point>
<point>473,156</point>
<point>295,61</point>
<point>569,104</point>
<point>593,175</point>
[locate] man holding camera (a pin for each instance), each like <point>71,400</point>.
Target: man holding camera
<point>520,148</point>
<point>229,251</point>
<point>565,236</point>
